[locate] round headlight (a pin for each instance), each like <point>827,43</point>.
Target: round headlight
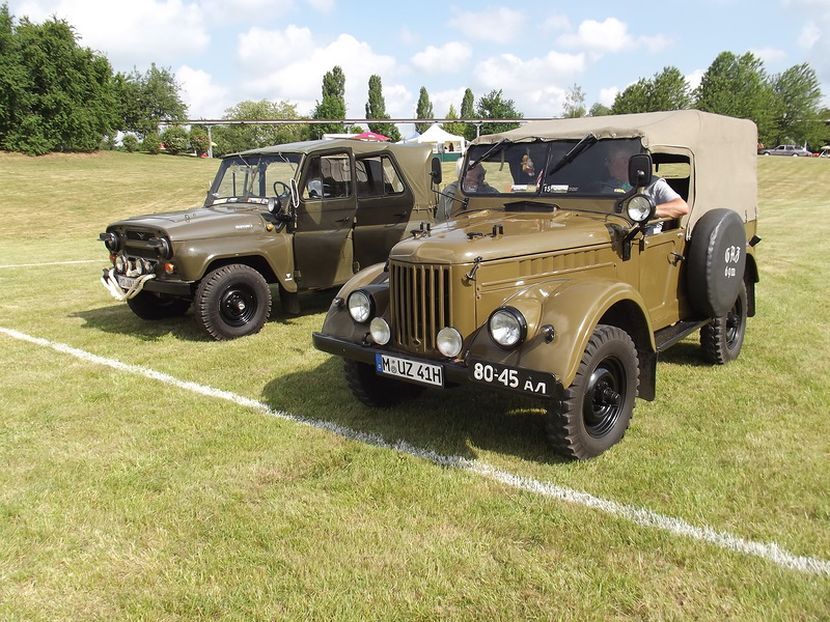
<point>163,247</point>
<point>111,240</point>
<point>507,327</point>
<point>640,208</point>
<point>360,306</point>
<point>449,342</point>
<point>380,331</point>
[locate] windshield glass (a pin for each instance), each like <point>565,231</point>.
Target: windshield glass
<point>254,178</point>
<point>594,168</point>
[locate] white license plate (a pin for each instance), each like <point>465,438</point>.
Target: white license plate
<point>124,281</point>
<point>423,373</point>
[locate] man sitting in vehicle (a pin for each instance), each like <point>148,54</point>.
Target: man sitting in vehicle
<point>669,203</point>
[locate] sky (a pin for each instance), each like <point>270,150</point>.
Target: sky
<point>226,51</point>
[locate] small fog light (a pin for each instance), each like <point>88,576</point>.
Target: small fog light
<point>380,331</point>
<point>449,342</point>
<point>120,263</point>
<point>169,268</point>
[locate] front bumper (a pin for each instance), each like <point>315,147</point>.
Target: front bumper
<point>182,289</point>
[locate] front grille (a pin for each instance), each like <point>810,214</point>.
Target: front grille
<point>420,304</point>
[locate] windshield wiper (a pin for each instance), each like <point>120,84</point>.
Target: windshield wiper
<point>494,149</point>
<point>569,157</point>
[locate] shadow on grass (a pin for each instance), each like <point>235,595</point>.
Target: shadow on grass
<point>120,320</point>
<point>685,353</point>
<point>458,421</point>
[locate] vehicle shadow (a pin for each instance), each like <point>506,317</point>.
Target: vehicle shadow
<point>117,318</point>
<point>685,353</point>
<point>461,421</point>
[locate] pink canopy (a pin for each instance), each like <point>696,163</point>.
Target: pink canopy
<point>371,136</point>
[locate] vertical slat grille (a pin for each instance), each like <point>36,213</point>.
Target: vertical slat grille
<point>420,296</point>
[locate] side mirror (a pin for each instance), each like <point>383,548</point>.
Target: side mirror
<point>639,170</point>
<point>435,172</point>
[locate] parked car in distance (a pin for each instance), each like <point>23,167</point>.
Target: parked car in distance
<point>301,216</point>
<point>793,151</point>
<point>553,278</point>
<point>824,153</point>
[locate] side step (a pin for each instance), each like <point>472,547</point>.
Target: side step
<point>667,337</point>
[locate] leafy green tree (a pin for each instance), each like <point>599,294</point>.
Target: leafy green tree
<point>175,139</point>
<point>423,110</point>
<point>494,106</point>
<point>666,90</point>
<point>574,105</point>
<point>233,138</point>
<point>454,128</point>
<point>56,95</point>
<point>151,144</point>
<point>332,105</point>
<point>376,109</point>
<point>599,110</point>
<point>149,99</point>
<point>199,141</point>
<point>130,143</point>
<point>799,106</point>
<point>468,112</point>
<point>737,86</point>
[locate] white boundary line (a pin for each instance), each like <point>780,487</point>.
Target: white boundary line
<point>53,263</point>
<point>769,551</point>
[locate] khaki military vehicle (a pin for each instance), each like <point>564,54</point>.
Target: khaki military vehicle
<point>556,280</point>
<point>300,216</point>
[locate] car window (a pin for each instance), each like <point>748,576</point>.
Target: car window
<point>328,177</point>
<point>376,176</point>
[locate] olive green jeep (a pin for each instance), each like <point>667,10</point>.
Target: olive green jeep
<point>556,279</point>
<point>300,216</point>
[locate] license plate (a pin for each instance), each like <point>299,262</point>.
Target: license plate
<point>124,281</point>
<point>523,380</point>
<point>416,371</point>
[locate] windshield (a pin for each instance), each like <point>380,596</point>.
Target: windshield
<point>254,178</point>
<point>591,168</point>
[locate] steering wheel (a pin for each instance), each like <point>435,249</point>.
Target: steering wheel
<point>286,190</point>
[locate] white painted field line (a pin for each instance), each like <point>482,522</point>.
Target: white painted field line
<point>51,263</point>
<point>771,552</point>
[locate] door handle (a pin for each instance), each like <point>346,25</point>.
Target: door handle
<point>344,220</point>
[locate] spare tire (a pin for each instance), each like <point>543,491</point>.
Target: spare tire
<point>715,262</point>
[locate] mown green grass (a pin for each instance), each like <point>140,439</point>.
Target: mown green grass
<point>122,497</point>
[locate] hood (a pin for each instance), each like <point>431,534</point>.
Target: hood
<point>199,222</point>
<point>461,241</point>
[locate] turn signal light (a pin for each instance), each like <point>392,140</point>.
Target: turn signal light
<point>169,268</point>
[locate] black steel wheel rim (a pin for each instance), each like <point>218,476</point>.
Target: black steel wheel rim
<point>604,398</point>
<point>238,305</point>
<point>733,324</point>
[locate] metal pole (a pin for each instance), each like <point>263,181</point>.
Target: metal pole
<point>210,143</point>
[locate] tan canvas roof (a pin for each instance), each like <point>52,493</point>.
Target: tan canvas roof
<point>724,150</point>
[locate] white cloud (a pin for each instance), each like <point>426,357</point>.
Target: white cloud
<point>223,12</point>
<point>322,6</point>
<point>300,81</point>
<point>442,100</point>
<point>499,25</point>
<point>609,36</point>
<point>769,54</point>
<point>449,58</point>
<point>400,101</point>
<point>608,95</point>
<point>125,31</point>
<point>810,35</point>
<point>264,50</point>
<point>204,98</point>
<point>408,37</point>
<point>694,79</point>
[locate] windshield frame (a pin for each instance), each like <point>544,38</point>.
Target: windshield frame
<point>261,162</point>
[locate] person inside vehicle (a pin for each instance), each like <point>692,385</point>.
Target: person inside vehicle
<point>669,203</point>
<point>474,181</point>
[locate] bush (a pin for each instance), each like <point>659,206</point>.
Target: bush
<point>199,141</point>
<point>151,144</point>
<point>175,140</point>
<point>130,143</point>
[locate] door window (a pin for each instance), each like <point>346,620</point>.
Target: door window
<point>328,177</point>
<point>376,177</point>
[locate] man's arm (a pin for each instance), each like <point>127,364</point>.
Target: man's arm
<point>673,209</point>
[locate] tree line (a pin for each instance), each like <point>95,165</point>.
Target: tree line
<point>58,96</point>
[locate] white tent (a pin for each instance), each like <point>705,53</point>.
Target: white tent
<point>442,141</point>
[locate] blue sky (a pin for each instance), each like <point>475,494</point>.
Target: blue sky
<point>224,51</point>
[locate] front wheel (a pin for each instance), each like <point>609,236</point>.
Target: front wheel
<point>374,390</point>
<point>232,301</point>
<point>596,409</point>
<point>153,306</point>
<point>722,338</point>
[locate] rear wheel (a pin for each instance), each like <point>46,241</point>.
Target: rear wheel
<point>232,301</point>
<point>596,409</point>
<point>374,390</point>
<point>153,306</point>
<point>722,338</point>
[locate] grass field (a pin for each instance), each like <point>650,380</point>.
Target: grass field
<point>123,497</point>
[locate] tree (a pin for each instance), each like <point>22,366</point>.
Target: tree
<point>376,109</point>
<point>599,110</point>
<point>233,138</point>
<point>423,110</point>
<point>454,128</point>
<point>149,99</point>
<point>574,105</point>
<point>737,86</point>
<point>493,106</point>
<point>799,106</point>
<point>468,112</point>
<point>666,90</point>
<point>332,105</point>
<point>175,139</point>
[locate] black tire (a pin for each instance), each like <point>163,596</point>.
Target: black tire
<point>722,338</point>
<point>374,390</point>
<point>232,301</point>
<point>153,306</point>
<point>596,409</point>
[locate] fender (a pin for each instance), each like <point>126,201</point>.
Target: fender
<point>573,308</point>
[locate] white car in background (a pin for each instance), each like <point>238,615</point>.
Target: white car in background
<point>793,151</point>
